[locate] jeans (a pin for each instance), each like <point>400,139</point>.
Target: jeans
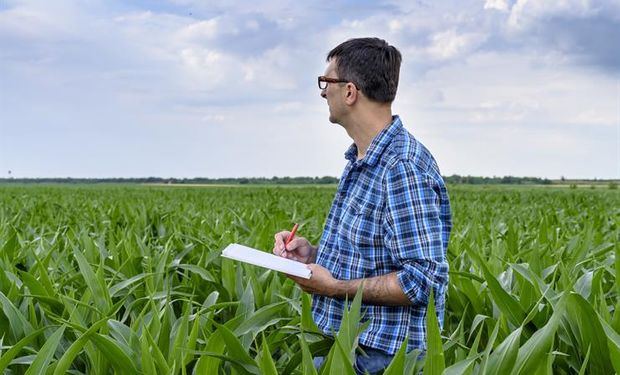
<point>376,361</point>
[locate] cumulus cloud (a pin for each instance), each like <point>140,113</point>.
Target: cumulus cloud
<point>526,13</point>
<point>585,31</point>
<point>450,44</point>
<point>191,74</point>
<point>200,30</point>
<point>496,4</point>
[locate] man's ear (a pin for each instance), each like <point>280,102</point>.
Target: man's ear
<point>352,93</point>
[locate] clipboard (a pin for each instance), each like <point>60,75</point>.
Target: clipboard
<point>266,260</point>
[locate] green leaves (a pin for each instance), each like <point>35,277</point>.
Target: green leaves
<point>18,322</point>
<point>397,366</point>
<point>307,365</point>
<point>119,356</point>
<point>613,343</point>
<point>435,361</point>
<point>65,361</point>
<point>342,354</point>
<point>503,358</point>
<point>10,247</point>
<point>95,283</point>
<point>508,305</point>
<point>307,322</point>
<point>261,319</point>
<point>127,279</point>
<point>581,321</point>
<point>532,353</point>
<point>235,350</point>
<point>265,361</point>
<point>46,353</point>
<point>8,356</point>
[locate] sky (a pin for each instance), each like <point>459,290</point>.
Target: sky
<point>185,88</point>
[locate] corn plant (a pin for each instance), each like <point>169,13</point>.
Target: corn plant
<point>128,279</point>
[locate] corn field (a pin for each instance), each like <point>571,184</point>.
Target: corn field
<point>128,280</point>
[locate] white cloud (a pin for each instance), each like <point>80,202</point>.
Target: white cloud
<point>207,29</point>
<point>139,79</point>
<point>496,4</point>
<point>450,44</point>
<point>526,12</point>
<point>205,69</point>
<point>507,115</point>
<point>579,30</point>
<point>395,25</point>
<point>202,58</point>
<point>605,117</point>
<point>42,21</point>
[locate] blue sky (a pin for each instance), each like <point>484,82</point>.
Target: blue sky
<point>185,88</point>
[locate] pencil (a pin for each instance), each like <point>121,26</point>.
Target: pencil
<point>290,237</point>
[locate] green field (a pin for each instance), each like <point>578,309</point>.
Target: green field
<point>104,279</point>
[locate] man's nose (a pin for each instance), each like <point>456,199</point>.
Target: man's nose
<point>323,94</point>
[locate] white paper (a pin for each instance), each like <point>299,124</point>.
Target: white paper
<point>266,260</point>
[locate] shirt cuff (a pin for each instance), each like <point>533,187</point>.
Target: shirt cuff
<point>410,287</point>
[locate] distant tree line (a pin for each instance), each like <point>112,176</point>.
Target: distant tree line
<point>197,180</point>
<point>509,180</point>
<point>453,179</point>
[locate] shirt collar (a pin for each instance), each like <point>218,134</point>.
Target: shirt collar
<point>378,144</point>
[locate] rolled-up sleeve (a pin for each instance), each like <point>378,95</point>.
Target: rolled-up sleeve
<point>413,230</point>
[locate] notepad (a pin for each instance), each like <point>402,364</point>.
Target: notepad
<point>266,260</point>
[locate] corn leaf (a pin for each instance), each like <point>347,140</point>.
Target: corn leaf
<point>46,353</point>
<point>435,362</point>
<point>532,354</point>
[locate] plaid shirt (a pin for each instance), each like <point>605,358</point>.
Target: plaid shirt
<point>391,214</point>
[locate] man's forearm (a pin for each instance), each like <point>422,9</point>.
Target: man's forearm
<point>379,290</point>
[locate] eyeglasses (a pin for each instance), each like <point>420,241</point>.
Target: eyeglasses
<point>323,81</point>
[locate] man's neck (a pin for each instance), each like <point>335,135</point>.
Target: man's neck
<point>364,126</point>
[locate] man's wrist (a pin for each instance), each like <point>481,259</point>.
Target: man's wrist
<point>313,254</point>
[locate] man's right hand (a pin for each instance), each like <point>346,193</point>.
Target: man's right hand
<point>298,249</point>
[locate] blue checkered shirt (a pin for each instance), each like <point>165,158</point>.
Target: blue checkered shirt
<point>391,214</point>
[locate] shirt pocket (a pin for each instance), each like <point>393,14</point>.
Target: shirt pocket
<point>361,236</point>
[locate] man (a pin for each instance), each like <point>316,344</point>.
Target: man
<point>389,223</point>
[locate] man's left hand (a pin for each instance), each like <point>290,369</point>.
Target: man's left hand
<point>321,282</point>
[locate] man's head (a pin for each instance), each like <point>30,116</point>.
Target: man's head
<point>371,64</point>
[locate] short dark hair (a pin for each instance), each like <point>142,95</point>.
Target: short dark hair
<point>372,64</point>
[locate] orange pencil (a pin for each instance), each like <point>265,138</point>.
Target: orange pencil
<point>290,237</point>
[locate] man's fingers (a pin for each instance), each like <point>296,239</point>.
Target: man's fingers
<point>304,284</point>
<point>294,244</point>
<point>280,237</point>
